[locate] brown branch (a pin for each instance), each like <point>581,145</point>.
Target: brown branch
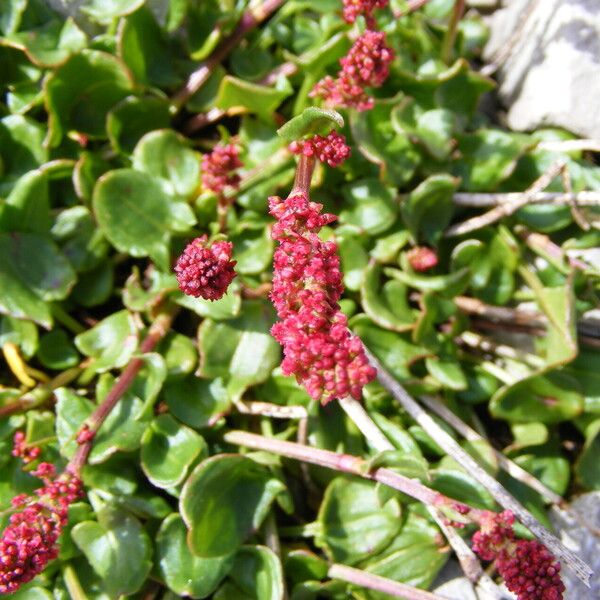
<point>505,210</point>
<point>483,200</point>
<point>249,20</point>
<point>500,494</point>
<point>381,584</point>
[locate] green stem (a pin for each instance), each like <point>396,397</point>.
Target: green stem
<point>72,583</point>
<point>450,36</point>
<point>64,318</point>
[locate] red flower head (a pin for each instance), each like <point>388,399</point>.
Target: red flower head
<point>318,347</point>
<point>354,8</point>
<point>367,64</point>
<point>527,567</point>
<point>29,542</point>
<point>205,270</point>
<point>218,168</point>
<point>20,448</point>
<point>422,258</point>
<point>331,149</point>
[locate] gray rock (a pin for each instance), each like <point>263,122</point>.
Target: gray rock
<point>547,54</point>
<point>579,530</point>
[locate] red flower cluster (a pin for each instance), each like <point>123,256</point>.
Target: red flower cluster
<point>205,270</point>
<point>354,8</point>
<point>29,542</point>
<point>422,258</point>
<point>331,149</point>
<point>527,567</point>
<point>218,168</point>
<point>367,64</point>
<point>21,449</point>
<point>318,347</point>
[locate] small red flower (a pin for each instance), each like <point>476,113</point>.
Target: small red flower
<point>331,149</point>
<point>205,270</point>
<point>354,8</point>
<point>218,168</point>
<point>21,449</point>
<point>29,542</point>
<point>422,258</point>
<point>367,64</point>
<point>527,566</point>
<point>318,347</point>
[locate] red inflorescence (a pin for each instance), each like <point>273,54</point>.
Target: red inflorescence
<point>205,270</point>
<point>367,64</point>
<point>318,347</point>
<point>354,8</point>
<point>331,149</point>
<point>21,449</point>
<point>527,567</point>
<point>218,168</point>
<point>29,542</point>
<point>422,258</point>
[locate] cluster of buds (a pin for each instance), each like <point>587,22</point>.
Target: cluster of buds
<point>205,270</point>
<point>219,168</point>
<point>22,450</point>
<point>367,64</point>
<point>331,149</point>
<point>354,8</point>
<point>30,541</point>
<point>422,258</point>
<point>318,347</point>
<point>528,568</point>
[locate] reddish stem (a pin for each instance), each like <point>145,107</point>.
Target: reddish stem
<point>249,20</point>
<point>159,328</point>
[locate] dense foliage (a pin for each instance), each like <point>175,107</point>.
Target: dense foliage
<point>103,184</point>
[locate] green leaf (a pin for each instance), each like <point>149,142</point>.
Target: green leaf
<point>27,208</point>
<point>549,398</point>
<point>198,402</point>
<point>382,145</point>
<point>21,149</point>
<point>111,343</point>
<point>133,118</point>
<point>354,259</point>
<point>118,549</point>
<point>311,121</point>
<point>57,351</point>
<point>435,128</point>
<point>257,571</point>
<point>489,157</point>
<point>32,272</point>
<point>387,306</point>
<point>253,250</point>
<point>11,14</point>
<point>80,93</point>
<point>137,216</point>
<point>145,51</point>
<point>448,285</point>
<point>223,501</point>
<point>104,11</point>
<point>428,209</point>
<point>353,523</point>
<point>168,450</point>
<point>370,206</point>
<point>184,573</point>
<point>244,96</point>
<point>51,44</point>
<point>166,155</point>
<point>241,351</point>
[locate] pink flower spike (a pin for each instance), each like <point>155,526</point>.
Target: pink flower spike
<point>205,270</point>
<point>29,542</point>
<point>331,149</point>
<point>218,168</point>
<point>319,349</point>
<point>354,8</point>
<point>527,566</point>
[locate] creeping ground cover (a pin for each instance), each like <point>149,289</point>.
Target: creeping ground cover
<point>285,311</point>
